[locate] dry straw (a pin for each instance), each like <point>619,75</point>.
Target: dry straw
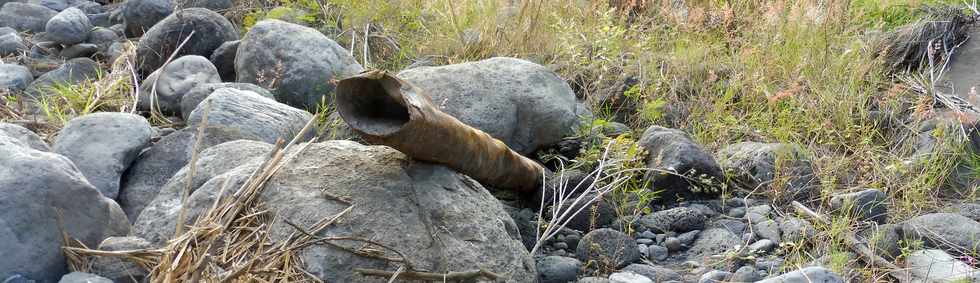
<point>230,241</point>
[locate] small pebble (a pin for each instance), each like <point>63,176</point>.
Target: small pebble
<point>647,235</point>
<point>672,244</point>
<point>561,245</point>
<point>748,237</point>
<point>746,274</point>
<point>572,241</point>
<point>688,238</point>
<point>764,245</point>
<point>737,212</point>
<point>715,276</point>
<point>644,241</point>
<point>692,264</point>
<point>657,252</point>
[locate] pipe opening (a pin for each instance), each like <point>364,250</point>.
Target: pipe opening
<point>369,108</point>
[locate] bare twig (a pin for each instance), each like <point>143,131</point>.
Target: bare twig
<point>195,153</point>
<point>153,91</point>
<point>569,203</point>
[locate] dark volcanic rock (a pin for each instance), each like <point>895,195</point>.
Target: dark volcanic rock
<point>210,31</point>
<point>609,247</point>
<point>672,150</point>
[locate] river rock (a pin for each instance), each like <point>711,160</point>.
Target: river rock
<point>813,274</point>
<point>947,231</point>
<point>251,114</point>
<point>609,247</point>
<point>68,27</point>
<point>103,145</point>
<point>755,166</point>
<point>296,62</point>
<point>14,77</point>
<point>523,104</point>
<point>35,187</point>
<point>25,16</point>
<point>210,31</point>
<point>140,15</point>
<point>674,151</point>
<point>458,226</point>
<point>194,96</point>
<point>175,80</point>
<point>11,44</point>
<point>18,135</point>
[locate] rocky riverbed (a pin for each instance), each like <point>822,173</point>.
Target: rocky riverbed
<point>123,180</point>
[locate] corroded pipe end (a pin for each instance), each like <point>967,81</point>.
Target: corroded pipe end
<point>383,109</point>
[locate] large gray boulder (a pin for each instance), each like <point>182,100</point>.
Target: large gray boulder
<point>15,134</point>
<point>251,114</point>
<point>68,27</point>
<point>103,145</point>
<point>140,15</point>
<point>671,150</point>
<point>439,218</point>
<point>25,16</point>
<point>297,62</point>
<point>959,77</point>
<point>14,77</point>
<point>153,169</point>
<point>156,222</point>
<point>36,190</point>
<point>947,231</point>
<point>175,80</point>
<point>813,274</point>
<point>194,96</point>
<point>210,31</point>
<point>970,210</point>
<point>755,166</point>
<point>521,103</point>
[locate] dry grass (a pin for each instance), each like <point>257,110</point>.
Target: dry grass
<point>803,72</point>
<point>230,241</point>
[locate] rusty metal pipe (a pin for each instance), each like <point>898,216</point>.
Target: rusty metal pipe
<point>383,109</point>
